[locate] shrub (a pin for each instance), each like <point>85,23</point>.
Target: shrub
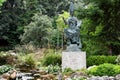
<point>105,69</point>
<point>53,69</point>
<point>7,58</point>
<point>68,71</point>
<point>30,61</point>
<point>117,69</point>
<point>5,68</point>
<point>52,59</point>
<point>97,60</point>
<point>38,31</point>
<point>92,70</point>
<point>26,62</point>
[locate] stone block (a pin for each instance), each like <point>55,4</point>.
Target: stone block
<point>74,60</point>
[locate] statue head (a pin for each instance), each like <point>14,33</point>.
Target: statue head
<point>72,22</point>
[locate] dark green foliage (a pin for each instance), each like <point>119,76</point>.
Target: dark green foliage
<point>53,7</point>
<point>97,60</point>
<point>105,70</point>
<point>102,25</point>
<point>52,59</point>
<point>15,14</point>
<point>5,68</point>
<point>38,31</point>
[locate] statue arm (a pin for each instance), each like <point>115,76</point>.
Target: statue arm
<point>79,23</point>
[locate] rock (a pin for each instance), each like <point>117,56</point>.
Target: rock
<point>13,74</point>
<point>105,77</point>
<point>38,79</point>
<point>36,75</point>
<point>59,77</point>
<point>47,77</point>
<point>74,75</point>
<point>117,77</point>
<point>111,78</point>
<point>27,78</point>
<point>42,72</point>
<point>13,54</point>
<point>100,78</point>
<point>64,77</point>
<point>93,78</point>
<point>6,76</point>
<point>4,79</point>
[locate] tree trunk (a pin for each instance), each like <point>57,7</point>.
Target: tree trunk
<point>110,50</point>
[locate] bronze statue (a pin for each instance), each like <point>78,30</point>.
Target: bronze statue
<point>72,33</point>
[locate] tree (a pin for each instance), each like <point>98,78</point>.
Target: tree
<point>1,2</point>
<point>60,28</point>
<point>15,14</point>
<point>103,23</point>
<point>53,7</point>
<point>37,32</point>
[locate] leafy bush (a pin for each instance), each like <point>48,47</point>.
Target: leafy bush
<point>97,60</point>
<point>38,31</point>
<point>92,70</point>
<point>52,59</point>
<point>53,69</point>
<point>105,69</point>
<point>26,62</point>
<point>7,58</point>
<point>117,69</point>
<point>5,68</point>
<point>68,71</point>
<point>30,61</point>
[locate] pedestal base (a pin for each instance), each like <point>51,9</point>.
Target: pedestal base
<point>74,60</point>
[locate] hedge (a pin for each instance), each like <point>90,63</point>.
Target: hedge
<point>97,60</point>
<point>105,69</point>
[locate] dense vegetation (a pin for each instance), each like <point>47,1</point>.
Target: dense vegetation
<point>40,22</point>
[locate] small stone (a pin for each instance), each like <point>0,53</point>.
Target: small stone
<point>36,75</point>
<point>59,76</point>
<point>100,78</point>
<point>4,79</point>
<point>117,77</point>
<point>6,76</point>
<point>42,72</point>
<point>93,78</point>
<point>111,78</point>
<point>106,77</point>
<point>13,74</point>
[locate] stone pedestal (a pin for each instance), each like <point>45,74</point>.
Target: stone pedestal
<point>74,60</point>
